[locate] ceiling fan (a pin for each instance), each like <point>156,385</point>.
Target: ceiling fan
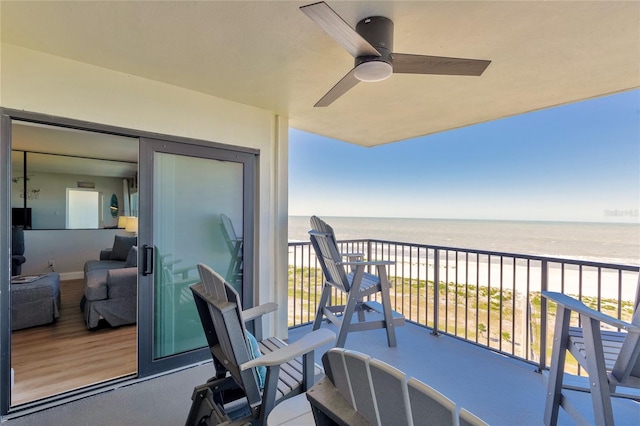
<point>371,44</point>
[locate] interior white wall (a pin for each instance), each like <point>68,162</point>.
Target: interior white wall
<point>72,248</point>
<point>47,84</point>
<point>49,209</point>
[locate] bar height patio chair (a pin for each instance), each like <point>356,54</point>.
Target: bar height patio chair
<point>357,284</point>
<point>611,358</point>
<point>235,245</point>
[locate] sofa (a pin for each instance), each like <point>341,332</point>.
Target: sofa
<point>111,285</point>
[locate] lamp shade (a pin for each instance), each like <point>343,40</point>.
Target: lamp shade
<point>132,224</point>
<point>122,222</point>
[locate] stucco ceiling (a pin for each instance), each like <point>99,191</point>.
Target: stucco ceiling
<point>270,55</point>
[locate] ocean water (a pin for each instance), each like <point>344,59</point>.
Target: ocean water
<point>600,242</point>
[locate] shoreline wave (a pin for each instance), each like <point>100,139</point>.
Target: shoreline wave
<point>610,243</point>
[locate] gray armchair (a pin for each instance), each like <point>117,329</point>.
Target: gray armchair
<point>111,285</point>
<point>119,306</point>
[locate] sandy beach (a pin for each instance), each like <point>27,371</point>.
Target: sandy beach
<point>518,276</point>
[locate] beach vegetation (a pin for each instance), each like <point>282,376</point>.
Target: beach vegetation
<point>482,328</point>
<point>480,312</point>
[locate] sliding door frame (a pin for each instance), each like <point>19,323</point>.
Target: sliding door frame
<point>147,365</point>
<point>7,116</point>
<point>5,266</point>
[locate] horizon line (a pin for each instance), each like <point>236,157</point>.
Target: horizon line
<point>474,219</point>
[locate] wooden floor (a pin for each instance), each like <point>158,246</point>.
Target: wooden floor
<point>63,356</point>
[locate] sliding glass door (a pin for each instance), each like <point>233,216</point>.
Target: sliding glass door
<point>196,207</point>
<point>60,183</point>
<point>193,201</point>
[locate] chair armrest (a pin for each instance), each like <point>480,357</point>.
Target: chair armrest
<point>184,271</point>
<point>350,256</point>
<point>165,261</point>
<point>186,282</point>
<point>168,263</point>
<point>369,263</point>
<point>122,282</point>
<point>258,311</point>
<point>579,307</point>
<point>322,234</point>
<point>306,344</point>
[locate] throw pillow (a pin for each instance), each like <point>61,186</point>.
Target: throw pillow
<point>254,352</point>
<point>121,247</point>
<point>132,258</point>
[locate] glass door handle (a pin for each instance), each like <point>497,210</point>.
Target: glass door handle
<point>147,260</point>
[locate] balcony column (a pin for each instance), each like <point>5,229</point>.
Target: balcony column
<point>436,290</point>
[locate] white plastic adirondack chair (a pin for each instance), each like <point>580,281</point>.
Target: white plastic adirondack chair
<point>360,390</point>
<point>357,284</point>
<point>610,358</point>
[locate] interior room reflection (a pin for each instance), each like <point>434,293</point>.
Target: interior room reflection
<point>70,179</point>
<point>73,192</point>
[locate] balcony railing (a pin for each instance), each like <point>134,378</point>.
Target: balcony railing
<point>491,299</point>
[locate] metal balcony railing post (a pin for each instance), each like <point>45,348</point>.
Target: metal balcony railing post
<point>436,290</point>
<point>544,286</point>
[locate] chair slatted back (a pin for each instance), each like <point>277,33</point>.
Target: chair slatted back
<point>228,231</point>
<point>337,371</point>
<point>626,370</point>
<point>469,419</point>
<point>235,246</point>
<point>428,403</point>
<point>220,312</point>
<point>358,373</point>
<point>382,394</point>
<point>324,243</point>
<point>234,243</point>
<point>392,396</point>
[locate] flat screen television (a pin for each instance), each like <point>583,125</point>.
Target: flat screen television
<point>21,217</point>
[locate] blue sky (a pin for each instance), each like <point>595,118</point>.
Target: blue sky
<point>576,162</point>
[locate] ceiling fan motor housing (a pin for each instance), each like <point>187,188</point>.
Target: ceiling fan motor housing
<point>378,31</point>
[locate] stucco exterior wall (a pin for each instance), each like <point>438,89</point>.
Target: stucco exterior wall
<point>46,84</point>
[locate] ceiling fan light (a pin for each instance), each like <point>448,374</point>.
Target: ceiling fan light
<point>373,71</point>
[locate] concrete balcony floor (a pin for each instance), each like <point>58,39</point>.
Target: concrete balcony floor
<point>498,389</point>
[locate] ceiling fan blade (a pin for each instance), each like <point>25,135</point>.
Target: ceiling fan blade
<point>327,19</point>
<point>421,64</point>
<point>346,83</point>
